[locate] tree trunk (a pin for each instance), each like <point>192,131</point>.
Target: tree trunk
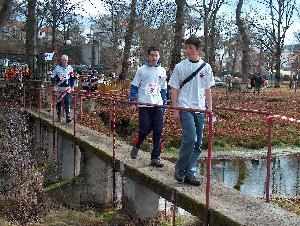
<point>176,52</point>
<point>206,27</point>
<point>31,32</point>
<point>53,41</point>
<point>245,42</point>
<point>234,61</point>
<point>5,11</point>
<point>212,44</point>
<point>54,26</point>
<point>277,67</point>
<point>128,38</point>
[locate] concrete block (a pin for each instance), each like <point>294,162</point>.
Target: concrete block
<point>69,158</point>
<point>96,179</point>
<point>144,200</point>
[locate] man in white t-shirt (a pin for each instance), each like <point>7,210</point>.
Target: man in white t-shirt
<point>194,94</point>
<point>149,86</point>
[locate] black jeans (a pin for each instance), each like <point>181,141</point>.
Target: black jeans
<point>150,119</point>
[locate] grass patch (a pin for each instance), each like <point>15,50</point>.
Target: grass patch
<point>45,167</point>
<point>182,221</point>
<point>171,151</point>
<point>55,185</point>
<point>297,143</point>
<point>72,217</point>
<point>109,216</point>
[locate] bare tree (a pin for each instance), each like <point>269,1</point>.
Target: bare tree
<point>5,11</point>
<point>57,13</point>
<point>210,10</point>
<point>295,60</point>
<point>31,31</point>
<point>178,29</point>
<point>118,11</point>
<point>155,28</point>
<point>281,14</point>
<point>297,36</point>
<point>128,37</point>
<point>245,44</point>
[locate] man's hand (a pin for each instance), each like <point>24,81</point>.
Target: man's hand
<point>176,115</point>
<point>53,89</point>
<point>133,108</point>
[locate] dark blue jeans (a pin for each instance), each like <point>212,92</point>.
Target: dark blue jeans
<point>150,119</point>
<point>66,100</point>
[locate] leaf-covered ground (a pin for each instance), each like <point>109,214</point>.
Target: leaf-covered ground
<point>231,129</point>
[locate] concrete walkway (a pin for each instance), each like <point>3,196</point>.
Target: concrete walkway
<point>228,206</point>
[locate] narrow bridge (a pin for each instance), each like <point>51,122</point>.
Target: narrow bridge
<point>92,156</point>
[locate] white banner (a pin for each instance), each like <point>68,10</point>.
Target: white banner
<point>49,56</point>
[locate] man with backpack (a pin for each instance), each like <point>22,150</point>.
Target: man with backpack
<point>190,88</point>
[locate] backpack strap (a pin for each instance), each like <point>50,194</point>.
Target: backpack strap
<point>191,76</point>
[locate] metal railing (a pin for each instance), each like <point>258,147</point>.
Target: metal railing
<point>113,99</point>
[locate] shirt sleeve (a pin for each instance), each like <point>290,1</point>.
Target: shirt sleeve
<point>210,81</point>
<point>54,73</point>
<point>72,77</point>
<point>133,94</point>
<point>137,78</point>
<point>174,80</point>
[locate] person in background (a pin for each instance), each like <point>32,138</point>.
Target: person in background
<point>62,80</point>
<point>149,86</point>
<point>258,80</point>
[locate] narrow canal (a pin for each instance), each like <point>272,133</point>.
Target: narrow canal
<point>249,176</point>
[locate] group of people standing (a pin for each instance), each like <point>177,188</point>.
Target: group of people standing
<point>190,84</point>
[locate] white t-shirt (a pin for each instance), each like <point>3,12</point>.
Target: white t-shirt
<point>191,95</point>
<point>62,73</point>
<point>150,81</point>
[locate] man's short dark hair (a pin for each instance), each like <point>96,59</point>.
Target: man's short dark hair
<point>193,40</point>
<point>152,48</point>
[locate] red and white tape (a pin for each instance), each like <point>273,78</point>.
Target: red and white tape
<point>283,118</point>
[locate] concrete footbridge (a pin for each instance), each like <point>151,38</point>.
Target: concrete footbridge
<point>86,159</point>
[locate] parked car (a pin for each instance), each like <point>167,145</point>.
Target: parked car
<point>219,82</point>
<point>100,67</point>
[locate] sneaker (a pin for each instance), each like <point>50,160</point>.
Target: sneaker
<point>134,152</point>
<point>192,181</point>
<point>68,120</point>
<point>178,176</point>
<point>157,162</point>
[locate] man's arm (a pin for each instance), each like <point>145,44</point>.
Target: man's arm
<point>208,98</point>
<point>134,89</point>
<point>174,99</point>
<point>133,95</point>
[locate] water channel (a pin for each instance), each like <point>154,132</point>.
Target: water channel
<point>249,176</point>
